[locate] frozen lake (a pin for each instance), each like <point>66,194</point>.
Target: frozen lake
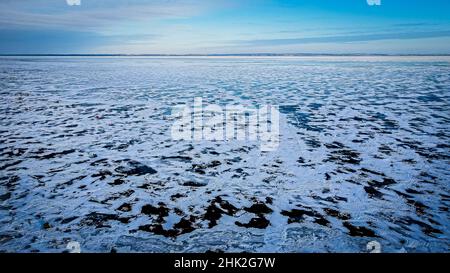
<point>86,155</point>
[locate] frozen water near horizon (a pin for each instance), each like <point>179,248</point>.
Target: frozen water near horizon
<point>86,155</point>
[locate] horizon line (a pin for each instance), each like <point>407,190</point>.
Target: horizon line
<point>220,55</point>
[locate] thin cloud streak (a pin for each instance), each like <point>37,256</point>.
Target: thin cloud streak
<point>346,39</point>
<point>96,18</point>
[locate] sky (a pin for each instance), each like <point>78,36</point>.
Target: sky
<point>224,26</point>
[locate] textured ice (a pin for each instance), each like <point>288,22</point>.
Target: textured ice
<point>86,155</point>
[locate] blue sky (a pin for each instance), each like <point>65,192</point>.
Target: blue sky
<point>224,26</point>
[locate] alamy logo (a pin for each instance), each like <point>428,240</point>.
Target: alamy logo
<point>373,247</point>
<point>374,2</point>
<point>232,122</point>
<point>73,247</point>
<point>73,2</point>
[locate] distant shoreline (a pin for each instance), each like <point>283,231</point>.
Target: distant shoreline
<point>227,55</point>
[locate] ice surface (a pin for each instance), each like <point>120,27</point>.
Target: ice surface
<point>364,155</point>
